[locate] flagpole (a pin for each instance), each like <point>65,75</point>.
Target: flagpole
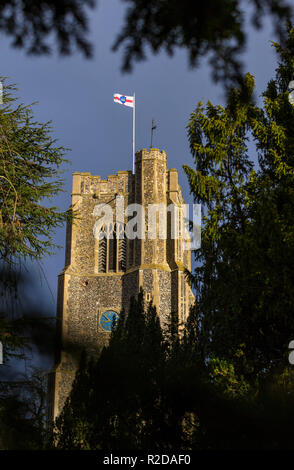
<point>134,135</point>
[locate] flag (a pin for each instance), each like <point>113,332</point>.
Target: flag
<point>123,99</point>
<point>128,101</point>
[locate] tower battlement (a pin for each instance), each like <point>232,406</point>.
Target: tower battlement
<point>153,153</point>
<point>85,183</point>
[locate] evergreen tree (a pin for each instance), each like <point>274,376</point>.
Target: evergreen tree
<point>22,411</point>
<point>29,176</point>
<point>118,398</point>
<point>244,312</point>
<point>245,280</point>
<point>74,423</point>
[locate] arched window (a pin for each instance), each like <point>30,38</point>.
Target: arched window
<point>102,253</point>
<point>122,247</point>
<point>112,249</point>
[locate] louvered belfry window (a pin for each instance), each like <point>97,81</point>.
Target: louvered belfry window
<point>112,249</point>
<point>102,254</point>
<point>122,247</point>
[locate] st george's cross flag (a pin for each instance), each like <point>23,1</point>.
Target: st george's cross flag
<point>123,99</point>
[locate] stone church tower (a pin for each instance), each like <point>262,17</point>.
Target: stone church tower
<point>101,275</point>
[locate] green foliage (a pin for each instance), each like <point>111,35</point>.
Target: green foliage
<point>29,173</point>
<point>245,280</point>
<point>29,176</point>
<point>223,376</point>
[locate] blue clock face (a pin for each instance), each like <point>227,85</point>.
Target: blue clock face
<point>108,320</point>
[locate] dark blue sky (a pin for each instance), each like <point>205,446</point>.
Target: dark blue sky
<point>77,95</point>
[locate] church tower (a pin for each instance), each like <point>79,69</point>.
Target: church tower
<point>101,274</point>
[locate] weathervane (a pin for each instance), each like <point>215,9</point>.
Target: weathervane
<point>153,127</point>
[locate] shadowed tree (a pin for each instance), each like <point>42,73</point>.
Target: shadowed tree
<point>123,403</point>
<point>22,411</point>
<point>32,23</point>
<point>29,176</point>
<point>212,29</point>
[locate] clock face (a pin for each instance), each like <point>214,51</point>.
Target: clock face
<point>108,319</point>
